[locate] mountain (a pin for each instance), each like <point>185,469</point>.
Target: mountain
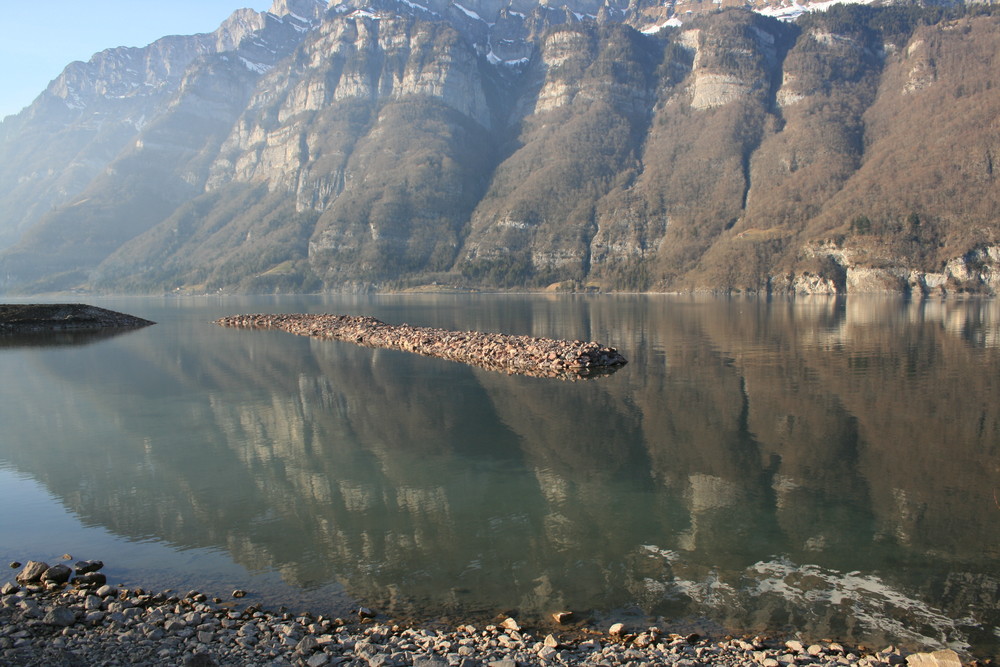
<point>375,144</point>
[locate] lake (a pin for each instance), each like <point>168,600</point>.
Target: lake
<point>822,466</point>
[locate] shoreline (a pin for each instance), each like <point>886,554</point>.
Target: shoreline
<point>52,616</point>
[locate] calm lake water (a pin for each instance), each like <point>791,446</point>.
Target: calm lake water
<point>821,466</point>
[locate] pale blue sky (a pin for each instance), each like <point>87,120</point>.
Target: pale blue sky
<point>38,41</point>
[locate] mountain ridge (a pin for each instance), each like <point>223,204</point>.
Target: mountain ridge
<point>375,145</point>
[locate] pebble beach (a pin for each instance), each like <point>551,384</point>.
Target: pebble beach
<point>68,616</point>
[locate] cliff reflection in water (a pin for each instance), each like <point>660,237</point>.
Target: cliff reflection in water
<point>824,465</point>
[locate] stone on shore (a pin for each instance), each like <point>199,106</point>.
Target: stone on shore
<point>510,624</point>
<point>32,572</point>
<point>90,580</point>
<point>88,566</point>
<point>946,658</point>
<point>57,574</point>
<point>59,625</point>
<point>61,616</point>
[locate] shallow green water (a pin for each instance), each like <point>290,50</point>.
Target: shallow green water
<point>823,466</point>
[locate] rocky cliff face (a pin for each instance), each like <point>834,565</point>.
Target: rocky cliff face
<point>608,146</point>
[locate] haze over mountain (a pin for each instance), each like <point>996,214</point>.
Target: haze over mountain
<point>594,144</point>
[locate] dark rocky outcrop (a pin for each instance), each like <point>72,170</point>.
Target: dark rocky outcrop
<point>31,318</point>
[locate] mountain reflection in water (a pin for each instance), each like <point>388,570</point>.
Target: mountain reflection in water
<point>819,465</point>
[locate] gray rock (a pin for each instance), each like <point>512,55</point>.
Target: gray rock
<point>88,566</point>
<point>547,653</point>
<point>29,608</point>
<point>174,626</point>
<point>105,591</point>
<point>199,660</point>
<point>61,616</point>
<point>318,660</point>
<point>429,661</point>
<point>90,580</point>
<point>9,589</point>
<point>308,644</point>
<point>32,572</point>
<point>133,613</point>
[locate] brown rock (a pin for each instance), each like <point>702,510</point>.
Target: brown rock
<point>32,572</point>
<point>946,658</point>
<point>563,616</point>
<point>510,624</point>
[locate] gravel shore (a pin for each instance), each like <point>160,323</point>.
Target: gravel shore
<point>51,617</point>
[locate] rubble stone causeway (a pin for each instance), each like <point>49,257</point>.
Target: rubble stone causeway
<point>524,355</point>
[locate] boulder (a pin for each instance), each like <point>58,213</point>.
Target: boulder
<point>88,566</point>
<point>946,658</point>
<point>60,616</point>
<point>57,574</point>
<point>32,572</point>
<point>90,580</point>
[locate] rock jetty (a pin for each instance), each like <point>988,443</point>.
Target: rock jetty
<point>524,355</point>
<point>57,620</point>
<point>41,317</point>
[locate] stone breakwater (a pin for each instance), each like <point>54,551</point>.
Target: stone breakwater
<point>524,355</point>
<point>52,618</point>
